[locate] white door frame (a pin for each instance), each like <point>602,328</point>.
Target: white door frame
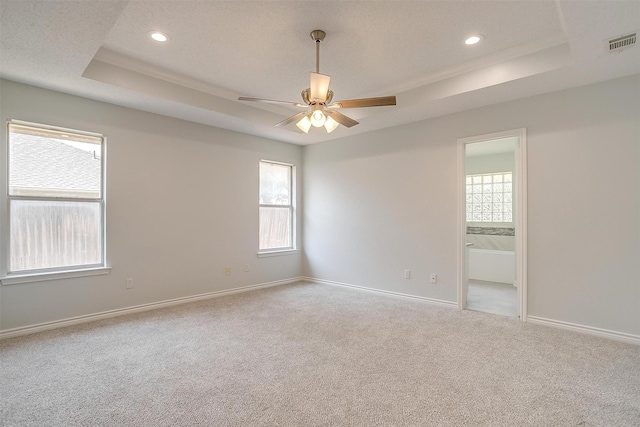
<point>520,218</point>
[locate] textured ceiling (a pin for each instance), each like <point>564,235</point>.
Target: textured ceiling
<point>219,50</point>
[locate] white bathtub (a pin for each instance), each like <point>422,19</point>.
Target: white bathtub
<point>492,266</point>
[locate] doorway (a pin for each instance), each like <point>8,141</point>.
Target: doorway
<point>492,223</point>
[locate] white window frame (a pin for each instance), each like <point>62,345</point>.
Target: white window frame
<point>292,212</point>
<point>8,277</point>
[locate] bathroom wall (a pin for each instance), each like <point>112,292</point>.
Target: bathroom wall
<point>491,235</point>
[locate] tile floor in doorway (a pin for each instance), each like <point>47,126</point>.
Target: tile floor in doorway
<point>491,297</point>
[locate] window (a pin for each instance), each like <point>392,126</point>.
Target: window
<point>56,199</point>
<point>490,197</point>
<point>276,206</point>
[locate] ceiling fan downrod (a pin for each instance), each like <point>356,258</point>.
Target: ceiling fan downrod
<point>318,36</point>
<point>318,100</point>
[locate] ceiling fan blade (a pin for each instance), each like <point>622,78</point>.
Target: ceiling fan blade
<point>271,101</point>
<point>341,118</point>
<point>366,102</point>
<point>319,86</point>
<point>292,119</point>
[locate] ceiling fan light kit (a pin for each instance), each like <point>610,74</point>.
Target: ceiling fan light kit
<point>317,98</point>
<point>330,125</point>
<point>317,117</point>
<point>304,124</point>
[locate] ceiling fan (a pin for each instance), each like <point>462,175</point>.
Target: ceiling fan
<point>320,109</point>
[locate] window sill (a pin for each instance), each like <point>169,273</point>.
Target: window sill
<point>278,253</point>
<point>15,279</point>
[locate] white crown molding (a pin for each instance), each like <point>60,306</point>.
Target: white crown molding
<point>534,47</point>
<point>132,64</point>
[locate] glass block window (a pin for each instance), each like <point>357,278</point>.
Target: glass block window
<point>490,197</point>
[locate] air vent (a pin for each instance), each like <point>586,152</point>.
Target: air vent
<point>622,42</point>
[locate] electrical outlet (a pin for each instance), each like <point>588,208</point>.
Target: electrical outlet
<point>407,274</point>
<point>227,271</point>
<point>129,283</point>
<point>433,278</point>
<point>246,268</point>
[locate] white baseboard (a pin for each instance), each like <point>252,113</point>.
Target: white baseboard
<point>32,329</point>
<point>397,294</point>
<point>619,336</point>
<point>605,333</point>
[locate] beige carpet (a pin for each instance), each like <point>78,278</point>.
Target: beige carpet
<point>317,355</point>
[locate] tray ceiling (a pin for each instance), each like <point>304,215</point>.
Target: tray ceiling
<point>219,50</point>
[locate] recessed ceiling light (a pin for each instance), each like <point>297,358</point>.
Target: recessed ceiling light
<point>158,36</point>
<point>473,39</point>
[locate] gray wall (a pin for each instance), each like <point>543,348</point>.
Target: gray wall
<point>379,203</point>
<point>182,204</point>
<point>502,162</point>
